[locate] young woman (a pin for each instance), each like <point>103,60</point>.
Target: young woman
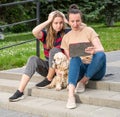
<point>85,68</point>
<point>51,39</point>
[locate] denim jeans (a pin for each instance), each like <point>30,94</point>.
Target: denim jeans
<point>93,71</point>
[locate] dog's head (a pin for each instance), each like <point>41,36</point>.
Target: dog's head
<point>59,58</point>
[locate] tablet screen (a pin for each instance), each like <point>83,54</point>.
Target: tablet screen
<point>78,49</point>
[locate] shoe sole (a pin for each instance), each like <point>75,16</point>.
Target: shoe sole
<point>71,107</point>
<point>15,100</point>
<point>41,87</point>
<point>79,91</point>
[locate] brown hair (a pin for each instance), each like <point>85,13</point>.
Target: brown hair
<point>51,33</point>
<point>74,9</point>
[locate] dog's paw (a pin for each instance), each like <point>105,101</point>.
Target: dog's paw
<point>58,87</point>
<point>49,86</point>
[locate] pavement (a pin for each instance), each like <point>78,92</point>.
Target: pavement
<point>113,62</point>
<point>11,113</point>
<point>101,99</point>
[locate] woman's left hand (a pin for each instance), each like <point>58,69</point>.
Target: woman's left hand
<point>65,20</point>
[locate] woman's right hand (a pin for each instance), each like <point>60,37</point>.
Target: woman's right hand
<point>51,15</point>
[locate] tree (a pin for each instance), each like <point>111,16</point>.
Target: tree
<point>17,13</point>
<point>112,11</point>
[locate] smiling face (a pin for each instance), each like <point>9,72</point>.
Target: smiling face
<point>75,21</point>
<point>58,23</point>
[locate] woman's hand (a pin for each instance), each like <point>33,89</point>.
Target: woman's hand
<point>65,20</point>
<point>51,15</point>
<point>90,50</point>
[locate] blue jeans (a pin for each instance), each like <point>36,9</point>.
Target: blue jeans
<point>93,71</point>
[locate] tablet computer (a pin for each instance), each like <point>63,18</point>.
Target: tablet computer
<point>78,49</point>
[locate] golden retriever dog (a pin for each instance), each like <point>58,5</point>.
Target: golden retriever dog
<point>60,63</point>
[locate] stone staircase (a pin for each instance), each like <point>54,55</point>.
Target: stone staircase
<point>101,98</point>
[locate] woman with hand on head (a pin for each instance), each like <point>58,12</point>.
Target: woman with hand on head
<point>51,39</point>
<point>85,68</point>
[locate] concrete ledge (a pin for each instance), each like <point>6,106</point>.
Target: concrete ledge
<point>49,108</point>
<point>91,96</point>
<point>111,83</point>
<point>104,85</point>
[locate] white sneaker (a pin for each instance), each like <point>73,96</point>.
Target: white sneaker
<point>71,103</point>
<point>80,87</point>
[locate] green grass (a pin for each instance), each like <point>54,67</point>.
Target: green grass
<point>109,36</point>
<point>17,56</point>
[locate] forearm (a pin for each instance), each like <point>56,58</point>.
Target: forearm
<point>97,45</point>
<point>37,30</point>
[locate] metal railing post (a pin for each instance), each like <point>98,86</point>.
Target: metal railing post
<point>38,21</point>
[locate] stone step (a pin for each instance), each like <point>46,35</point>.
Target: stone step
<point>90,96</point>
<point>111,83</point>
<point>49,108</point>
<point>12,85</point>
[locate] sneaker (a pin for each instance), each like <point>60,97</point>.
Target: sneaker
<point>16,96</point>
<point>43,84</point>
<point>71,104</point>
<point>80,87</point>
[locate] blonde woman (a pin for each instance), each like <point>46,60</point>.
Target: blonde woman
<point>51,39</point>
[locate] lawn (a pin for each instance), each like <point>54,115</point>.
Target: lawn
<point>110,36</point>
<point>17,56</point>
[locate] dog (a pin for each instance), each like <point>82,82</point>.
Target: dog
<point>60,64</point>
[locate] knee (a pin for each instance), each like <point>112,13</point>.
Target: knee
<point>100,55</point>
<point>33,59</point>
<point>55,50</point>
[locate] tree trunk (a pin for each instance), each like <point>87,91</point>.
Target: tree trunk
<point>110,21</point>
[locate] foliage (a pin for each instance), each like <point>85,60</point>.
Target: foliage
<point>112,11</point>
<point>93,11</point>
<point>17,13</point>
<point>107,11</point>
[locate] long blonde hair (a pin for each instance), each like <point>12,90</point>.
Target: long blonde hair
<point>51,33</point>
